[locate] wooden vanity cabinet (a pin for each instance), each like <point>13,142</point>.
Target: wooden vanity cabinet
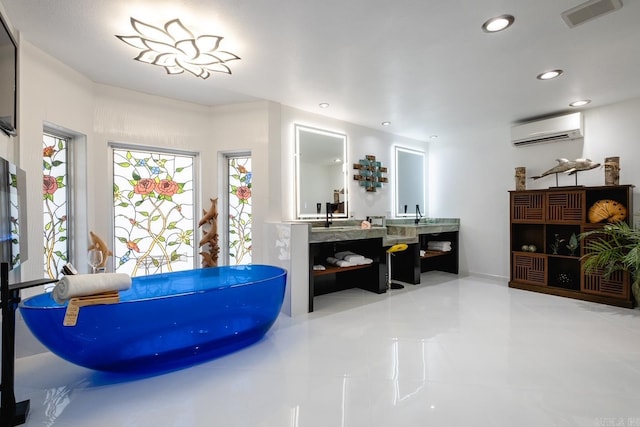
<point>370,277</point>
<point>438,260</point>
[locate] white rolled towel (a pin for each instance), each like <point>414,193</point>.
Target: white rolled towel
<point>439,246</point>
<point>349,256</point>
<point>341,255</point>
<point>364,261</point>
<point>78,285</point>
<point>339,262</point>
<point>356,259</point>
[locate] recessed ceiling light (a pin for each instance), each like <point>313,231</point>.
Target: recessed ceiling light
<point>548,75</point>
<point>323,105</point>
<point>498,23</point>
<point>386,123</point>
<point>580,103</point>
<point>433,137</point>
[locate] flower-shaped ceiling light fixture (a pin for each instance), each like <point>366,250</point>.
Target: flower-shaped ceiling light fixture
<point>177,50</point>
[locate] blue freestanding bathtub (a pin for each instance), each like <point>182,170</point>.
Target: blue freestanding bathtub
<point>165,321</point>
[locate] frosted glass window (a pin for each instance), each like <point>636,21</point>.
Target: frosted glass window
<point>55,204</point>
<point>153,196</point>
<point>240,218</point>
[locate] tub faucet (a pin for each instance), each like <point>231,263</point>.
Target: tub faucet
<point>418,214</point>
<point>327,223</point>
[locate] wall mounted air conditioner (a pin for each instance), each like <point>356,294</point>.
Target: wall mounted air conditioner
<point>561,128</point>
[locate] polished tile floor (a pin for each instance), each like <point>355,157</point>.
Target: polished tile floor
<point>452,351</point>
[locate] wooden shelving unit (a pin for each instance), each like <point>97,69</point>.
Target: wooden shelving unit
<point>369,277</point>
<point>439,260</point>
<point>431,254</point>
<point>540,219</point>
<point>331,269</point>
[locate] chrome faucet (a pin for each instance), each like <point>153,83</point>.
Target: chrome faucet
<point>418,214</point>
<point>327,223</point>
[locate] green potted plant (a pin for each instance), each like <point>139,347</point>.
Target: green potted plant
<point>615,247</point>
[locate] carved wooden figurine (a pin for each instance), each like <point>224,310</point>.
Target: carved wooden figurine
<point>209,242</point>
<point>521,178</point>
<point>612,171</point>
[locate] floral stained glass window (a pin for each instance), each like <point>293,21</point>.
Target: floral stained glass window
<point>55,203</point>
<point>154,212</point>
<point>239,210</point>
<point>14,210</point>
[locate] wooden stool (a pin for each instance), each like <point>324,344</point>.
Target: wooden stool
<point>391,252</point>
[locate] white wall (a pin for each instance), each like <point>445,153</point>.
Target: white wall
<point>472,171</point>
<point>246,127</point>
<point>48,92</point>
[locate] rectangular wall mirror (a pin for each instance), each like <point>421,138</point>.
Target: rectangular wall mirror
<point>410,179</point>
<point>321,173</point>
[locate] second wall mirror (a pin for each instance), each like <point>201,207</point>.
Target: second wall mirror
<point>410,179</point>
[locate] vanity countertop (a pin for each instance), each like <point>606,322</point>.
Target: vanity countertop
<point>395,231</point>
<point>335,233</point>
<point>414,230</point>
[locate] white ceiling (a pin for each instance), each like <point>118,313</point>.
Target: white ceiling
<point>424,65</point>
